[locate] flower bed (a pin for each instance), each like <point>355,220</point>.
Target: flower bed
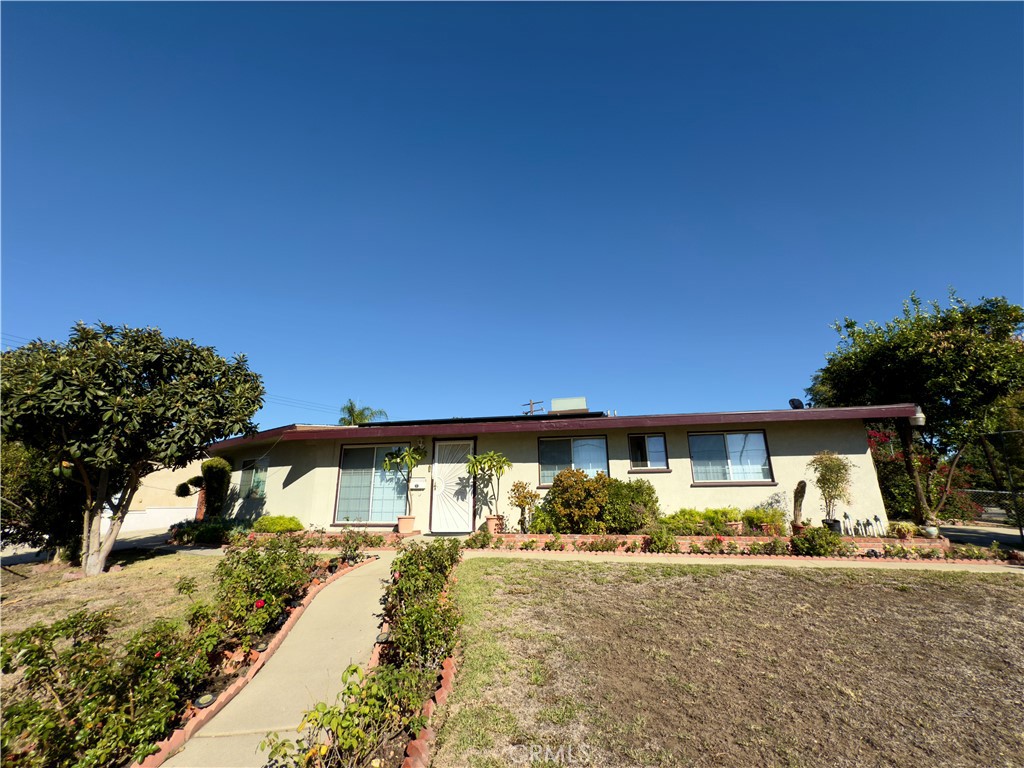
<point>636,543</point>
<point>74,698</point>
<point>380,718</point>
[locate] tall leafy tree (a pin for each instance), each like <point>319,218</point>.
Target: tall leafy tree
<point>39,506</point>
<point>955,362</point>
<point>352,414</point>
<point>113,404</point>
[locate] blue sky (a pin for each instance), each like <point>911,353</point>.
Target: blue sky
<point>447,209</point>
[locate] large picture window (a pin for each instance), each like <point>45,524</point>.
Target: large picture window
<point>557,453</point>
<point>366,493</point>
<point>647,452</point>
<point>730,457</point>
<point>254,479</point>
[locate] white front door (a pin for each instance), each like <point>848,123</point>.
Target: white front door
<point>452,501</point>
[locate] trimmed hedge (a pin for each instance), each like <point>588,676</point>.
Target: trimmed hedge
<point>277,524</point>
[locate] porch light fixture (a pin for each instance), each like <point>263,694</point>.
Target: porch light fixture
<point>917,420</point>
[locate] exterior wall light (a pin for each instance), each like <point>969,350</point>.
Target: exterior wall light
<point>917,419</point>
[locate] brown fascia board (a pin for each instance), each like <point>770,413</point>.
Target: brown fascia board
<point>467,428</point>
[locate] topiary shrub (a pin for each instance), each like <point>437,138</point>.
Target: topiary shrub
<point>216,481</point>
<point>630,507</point>
<point>277,524</point>
<point>575,501</point>
<point>817,542</point>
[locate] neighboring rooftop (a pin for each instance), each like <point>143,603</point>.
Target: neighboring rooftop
<point>562,421</point>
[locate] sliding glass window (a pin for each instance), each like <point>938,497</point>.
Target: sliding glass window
<point>366,493</point>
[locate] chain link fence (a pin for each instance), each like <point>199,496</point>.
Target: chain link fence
<point>996,504</point>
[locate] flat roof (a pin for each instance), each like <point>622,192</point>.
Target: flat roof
<point>559,422</point>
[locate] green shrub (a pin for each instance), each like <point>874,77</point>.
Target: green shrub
<point>974,552</point>
<point>423,635</point>
<point>817,542</point>
<point>603,544</point>
<point>902,530</point>
<point>777,547</point>
<point>217,481</point>
<point>255,582</point>
<point>575,501</point>
<point>419,573</point>
<point>529,544</point>
<point>685,522</point>
<point>696,548</point>
<point>480,539</point>
<point>371,710</point>
<point>715,520</point>
<point>660,539</point>
<point>75,702</point>
<point>554,544</point>
<point>277,524</point>
<point>543,522</point>
<point>210,532</point>
<point>630,507</point>
<point>770,520</point>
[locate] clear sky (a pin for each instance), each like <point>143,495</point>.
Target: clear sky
<point>448,209</point>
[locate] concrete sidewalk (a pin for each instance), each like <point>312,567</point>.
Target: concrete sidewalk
<point>337,629</point>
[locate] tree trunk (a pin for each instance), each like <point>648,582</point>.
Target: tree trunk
<point>201,504</point>
<point>94,559</point>
<point>92,564</point>
<point>922,512</point>
<point>992,467</point>
<point>949,482</point>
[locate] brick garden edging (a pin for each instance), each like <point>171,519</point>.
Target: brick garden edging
<point>173,743</point>
<point>863,543</point>
<point>417,751</point>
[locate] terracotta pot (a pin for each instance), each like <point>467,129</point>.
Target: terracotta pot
<point>736,526</point>
<point>406,523</point>
<point>492,523</point>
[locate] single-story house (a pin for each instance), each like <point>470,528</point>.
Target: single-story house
<point>332,476</point>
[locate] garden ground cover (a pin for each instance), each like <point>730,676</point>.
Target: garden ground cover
<point>139,593</point>
<point>610,664</point>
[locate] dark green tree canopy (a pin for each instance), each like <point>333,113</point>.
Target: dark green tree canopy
<point>113,404</point>
<point>956,363</point>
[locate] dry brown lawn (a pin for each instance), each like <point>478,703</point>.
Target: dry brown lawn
<point>139,593</point>
<point>622,665</point>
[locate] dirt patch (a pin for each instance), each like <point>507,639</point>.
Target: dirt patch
<point>143,590</point>
<point>662,665</point>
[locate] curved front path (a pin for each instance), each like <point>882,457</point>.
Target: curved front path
<point>337,629</point>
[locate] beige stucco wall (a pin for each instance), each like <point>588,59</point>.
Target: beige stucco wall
<point>157,489</point>
<point>302,477</point>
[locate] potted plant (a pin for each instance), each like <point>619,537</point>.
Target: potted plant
<point>734,522</point>
<point>832,476</point>
<point>402,463</point>
<point>488,468</point>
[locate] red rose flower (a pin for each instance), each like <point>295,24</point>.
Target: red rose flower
<point>156,655</point>
<point>260,603</point>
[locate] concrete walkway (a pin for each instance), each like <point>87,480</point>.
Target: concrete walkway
<point>337,629</point>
